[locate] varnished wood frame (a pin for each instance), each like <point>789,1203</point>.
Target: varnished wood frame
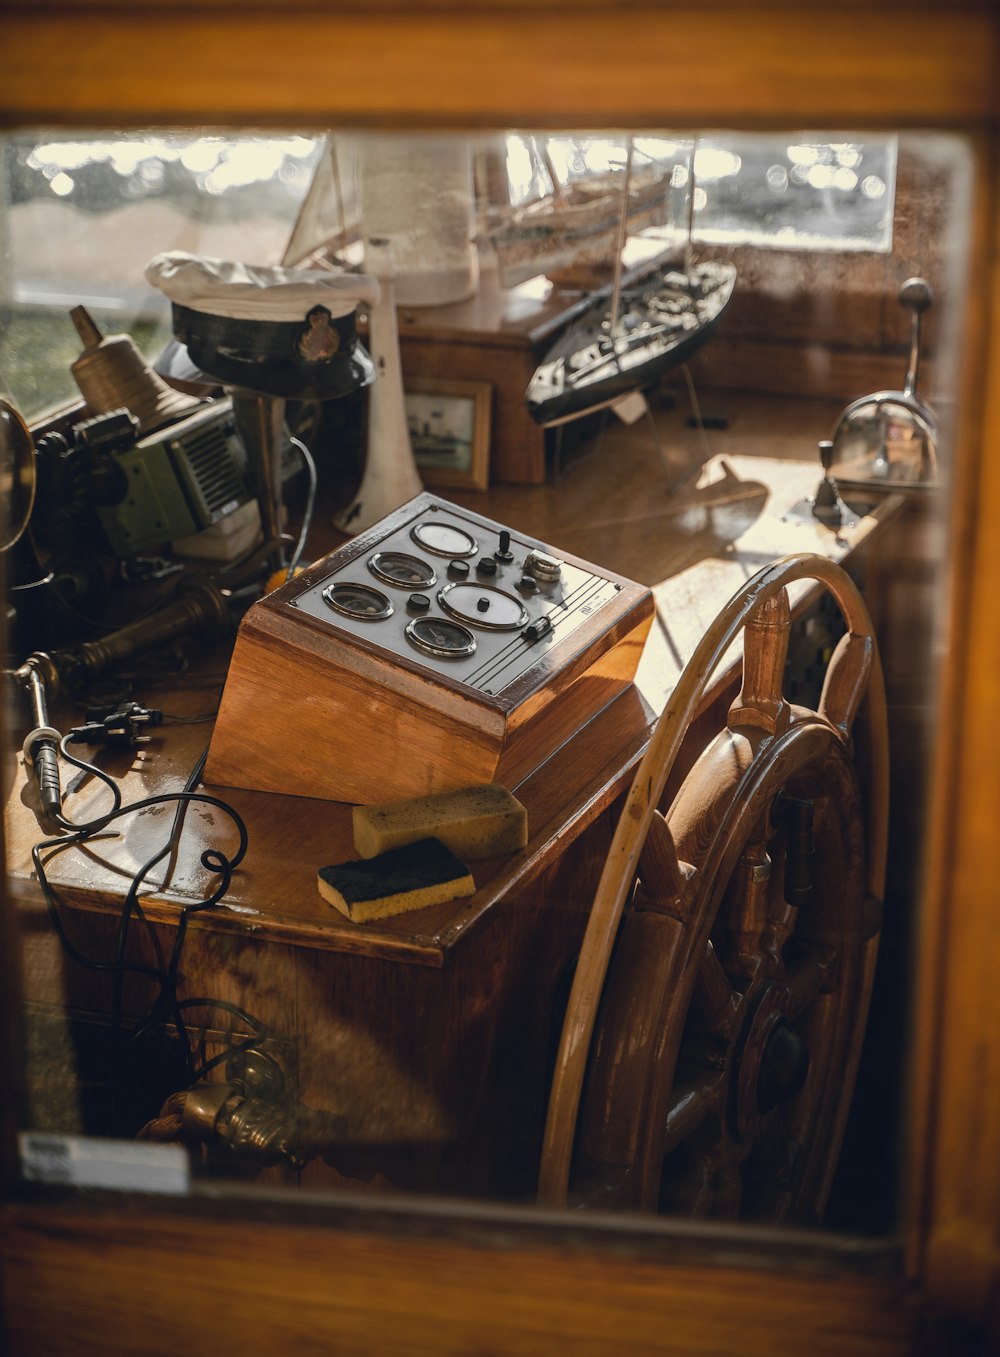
<point>476,476</point>
<point>556,64</point>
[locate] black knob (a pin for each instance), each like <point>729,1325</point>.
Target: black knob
<point>916,295</point>
<point>503,551</point>
<point>527,584</point>
<point>486,565</point>
<point>828,507</point>
<point>482,605</point>
<point>460,568</point>
<point>534,631</point>
<point>418,603</point>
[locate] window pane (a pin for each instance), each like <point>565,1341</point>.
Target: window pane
<point>270,1032</point>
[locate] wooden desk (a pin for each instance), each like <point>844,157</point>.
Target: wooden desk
<point>431,1032</point>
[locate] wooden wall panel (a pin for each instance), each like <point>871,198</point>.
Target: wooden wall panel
<point>654,66</point>
<point>413,1291</point>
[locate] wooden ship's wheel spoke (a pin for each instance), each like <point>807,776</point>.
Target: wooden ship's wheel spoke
<point>714,1025</point>
<point>691,1105</point>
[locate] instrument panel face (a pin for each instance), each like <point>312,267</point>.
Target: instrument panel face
<point>455,594</point>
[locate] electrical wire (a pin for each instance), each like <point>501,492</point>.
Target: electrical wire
<point>93,769</point>
<point>307,515</point>
<point>166,1004</point>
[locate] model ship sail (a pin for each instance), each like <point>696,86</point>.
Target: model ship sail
<point>573,227</point>
<point>327,221</point>
<point>627,340</point>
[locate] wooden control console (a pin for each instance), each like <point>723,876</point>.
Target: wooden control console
<point>435,651</point>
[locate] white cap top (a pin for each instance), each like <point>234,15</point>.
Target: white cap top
<point>223,287</point>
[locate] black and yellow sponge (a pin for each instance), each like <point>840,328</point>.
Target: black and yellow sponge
<point>420,874</point>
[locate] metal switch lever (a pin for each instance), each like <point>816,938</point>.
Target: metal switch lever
<point>534,631</point>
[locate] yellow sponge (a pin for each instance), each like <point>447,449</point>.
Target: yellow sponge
<point>476,822</point>
<point>420,874</point>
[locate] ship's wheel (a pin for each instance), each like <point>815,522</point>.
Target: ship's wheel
<point>714,1025</point>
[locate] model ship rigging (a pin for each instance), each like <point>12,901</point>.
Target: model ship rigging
<point>628,341</point>
<point>575,226</point>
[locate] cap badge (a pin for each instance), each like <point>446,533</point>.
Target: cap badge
<point>319,340</point>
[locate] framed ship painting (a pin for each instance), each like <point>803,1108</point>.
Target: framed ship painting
<point>449,424</point>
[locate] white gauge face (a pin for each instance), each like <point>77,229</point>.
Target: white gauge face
<point>483,605</point>
<point>446,593</point>
<point>399,568</point>
<point>438,637</point>
<point>444,539</point>
<point>360,601</point>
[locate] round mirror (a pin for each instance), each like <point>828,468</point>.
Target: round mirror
<point>887,438</point>
<point>17,475</point>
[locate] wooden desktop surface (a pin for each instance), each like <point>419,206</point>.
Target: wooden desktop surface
<point>612,504</point>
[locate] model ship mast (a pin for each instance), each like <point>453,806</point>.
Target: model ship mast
<point>616,286</point>
<point>622,344</point>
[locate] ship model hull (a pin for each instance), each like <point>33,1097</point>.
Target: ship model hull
<point>660,325</point>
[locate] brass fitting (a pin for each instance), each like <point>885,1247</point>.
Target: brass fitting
<point>251,1114</point>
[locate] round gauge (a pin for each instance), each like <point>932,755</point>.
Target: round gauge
<point>444,539</point>
<point>439,637</point>
<point>397,567</point>
<point>483,605</point>
<point>360,601</point>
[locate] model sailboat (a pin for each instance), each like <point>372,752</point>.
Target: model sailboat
<point>573,227</point>
<point>628,340</point>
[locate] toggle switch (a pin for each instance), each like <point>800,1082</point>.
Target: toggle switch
<point>534,631</point>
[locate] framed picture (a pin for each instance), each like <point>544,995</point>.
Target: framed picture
<point>449,424</point>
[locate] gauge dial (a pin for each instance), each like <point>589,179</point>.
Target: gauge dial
<point>444,539</point>
<point>483,605</point>
<point>398,567</point>
<point>361,601</point>
<point>441,638</point>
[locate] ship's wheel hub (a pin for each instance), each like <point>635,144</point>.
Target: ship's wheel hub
<point>772,1063</point>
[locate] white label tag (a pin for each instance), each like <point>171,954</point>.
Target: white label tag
<point>86,1161</point>
<point>631,407</point>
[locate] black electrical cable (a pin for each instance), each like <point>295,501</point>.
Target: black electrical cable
<point>67,824</point>
<point>93,769</point>
<point>130,905</point>
<point>167,998</point>
<point>213,860</point>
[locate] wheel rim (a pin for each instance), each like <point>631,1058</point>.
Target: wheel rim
<point>703,998</point>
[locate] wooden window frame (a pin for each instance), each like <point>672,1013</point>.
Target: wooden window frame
<point>361,1277</point>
